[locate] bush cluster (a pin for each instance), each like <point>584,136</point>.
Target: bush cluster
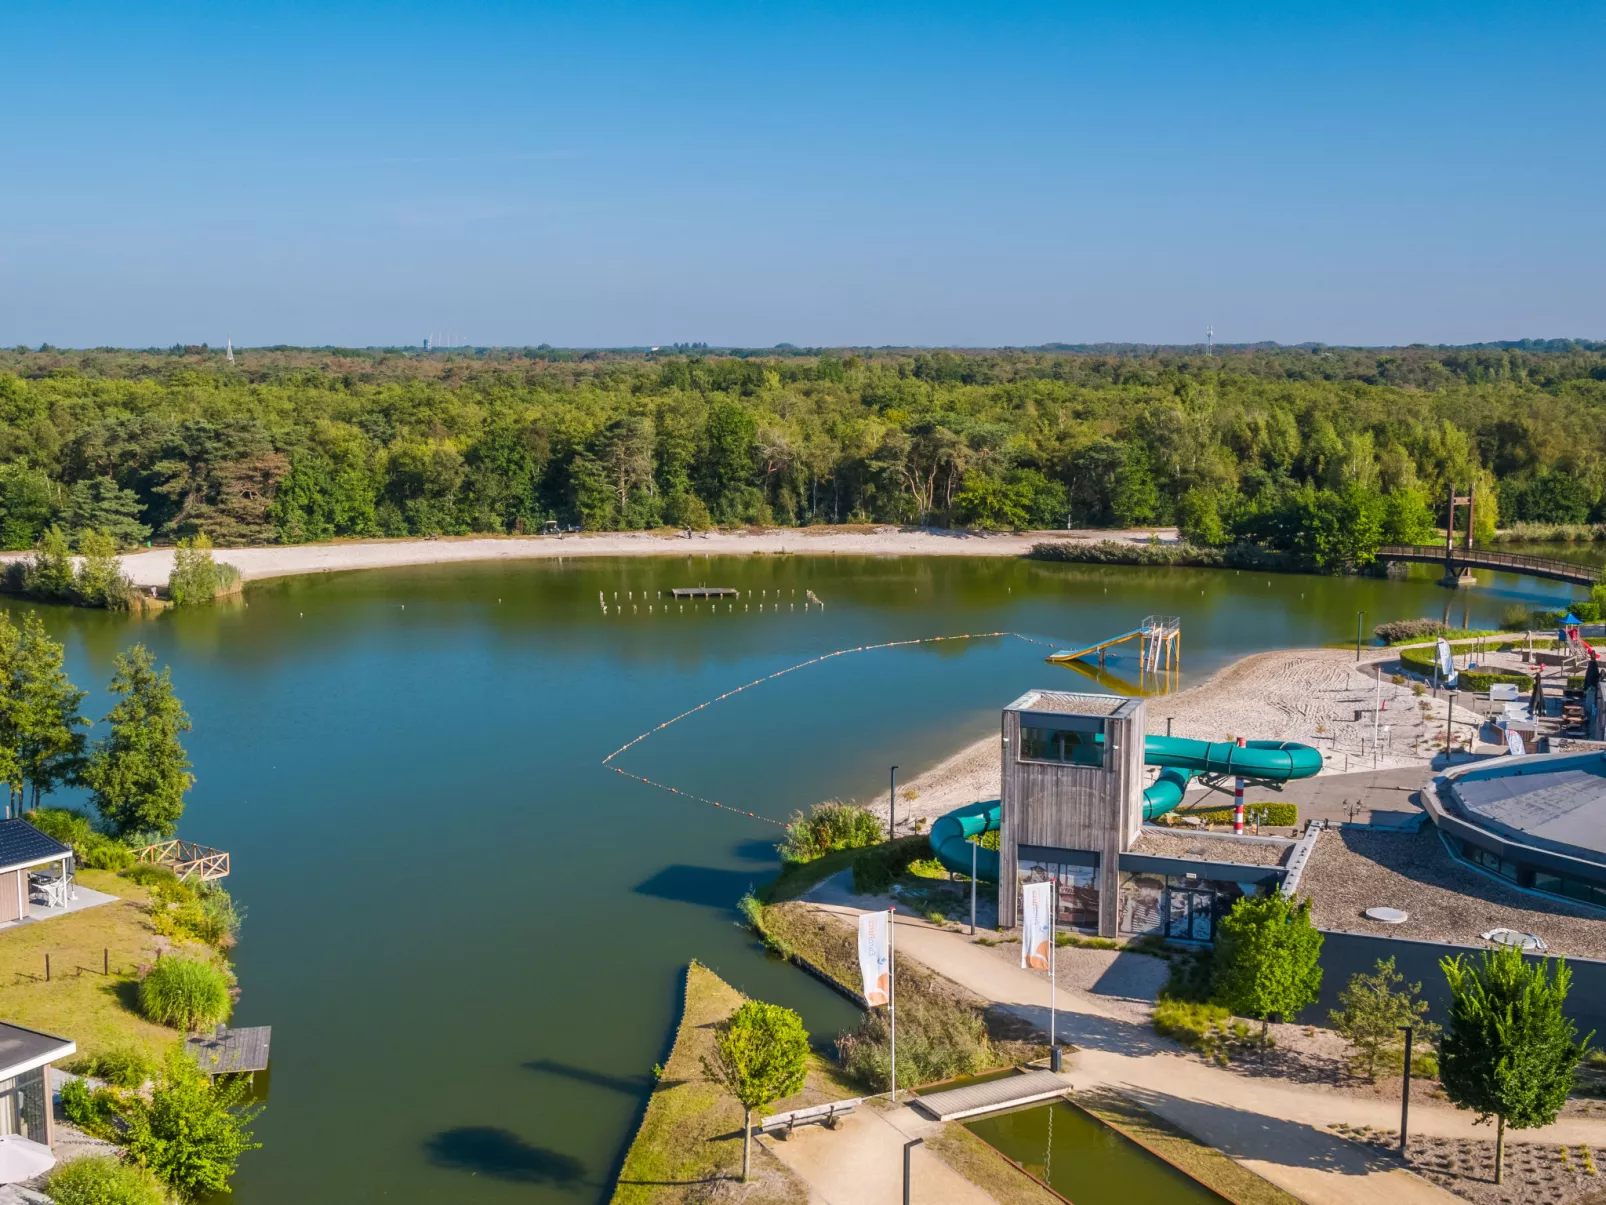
<point>186,993</point>
<point>1276,814</point>
<point>196,577</point>
<point>1117,552</point>
<point>121,1066</point>
<point>1397,630</point>
<point>827,827</point>
<point>199,911</point>
<point>49,574</point>
<point>938,1038</point>
<point>875,870</point>
<point>102,1180</point>
<point>1421,661</point>
<point>92,850</point>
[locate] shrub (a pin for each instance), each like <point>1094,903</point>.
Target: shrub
<point>196,577</point>
<point>200,911</point>
<point>89,1109</point>
<point>1277,814</point>
<point>148,874</point>
<point>102,1180</point>
<point>753,912</point>
<point>91,850</point>
<point>1516,618</point>
<point>186,993</point>
<point>938,1038</point>
<point>876,868</point>
<point>1409,629</point>
<point>827,827</point>
<point>1205,1028</point>
<point>121,1066</point>
<point>192,1129</point>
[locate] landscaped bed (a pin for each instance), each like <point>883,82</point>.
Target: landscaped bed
<point>1535,1173</point>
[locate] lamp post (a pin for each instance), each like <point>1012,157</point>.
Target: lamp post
<point>892,805</point>
<point>1359,615</point>
<point>1405,1089</point>
<point>973,847</point>
<point>908,1149</point>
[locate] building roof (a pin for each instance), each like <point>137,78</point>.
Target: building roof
<point>21,844</point>
<point>1549,801</point>
<point>1070,704</point>
<point>24,1049</point>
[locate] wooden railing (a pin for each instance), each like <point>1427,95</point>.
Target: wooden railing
<point>186,859</point>
<point>1485,558</point>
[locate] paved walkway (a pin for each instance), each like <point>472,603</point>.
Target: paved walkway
<point>861,1162</point>
<point>1273,1127</point>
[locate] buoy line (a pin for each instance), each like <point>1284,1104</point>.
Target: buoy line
<point>607,762</point>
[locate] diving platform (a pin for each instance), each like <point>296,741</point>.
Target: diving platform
<point>705,592</point>
<point>976,1099</point>
<point>1159,640</point>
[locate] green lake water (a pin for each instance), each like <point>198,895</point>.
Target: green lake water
<point>468,936</point>
<point>1086,1161</point>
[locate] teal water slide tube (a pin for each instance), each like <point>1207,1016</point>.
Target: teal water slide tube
<point>1269,763</point>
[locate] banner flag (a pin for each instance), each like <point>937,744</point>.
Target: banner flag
<point>1514,744</point>
<point>1036,919</point>
<point>875,957</point>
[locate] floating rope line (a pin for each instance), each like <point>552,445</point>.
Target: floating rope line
<point>863,648</point>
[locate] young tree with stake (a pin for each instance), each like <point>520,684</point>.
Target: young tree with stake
<point>760,1056</point>
<point>1509,1050</point>
<point>1374,1011</point>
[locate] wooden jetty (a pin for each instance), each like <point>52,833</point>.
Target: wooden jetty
<point>186,859</point>
<point>1006,1093</point>
<point>705,592</point>
<point>229,1051</point>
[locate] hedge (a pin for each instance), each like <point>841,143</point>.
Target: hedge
<point>875,869</point>
<point>1117,552</point>
<point>1272,812</point>
<point>1469,679</point>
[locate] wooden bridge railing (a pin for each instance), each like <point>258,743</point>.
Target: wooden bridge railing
<point>1485,558</point>
<point>186,859</point>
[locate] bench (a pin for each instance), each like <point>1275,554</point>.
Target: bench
<point>782,1124</point>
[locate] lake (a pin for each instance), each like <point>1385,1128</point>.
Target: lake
<point>468,936</point>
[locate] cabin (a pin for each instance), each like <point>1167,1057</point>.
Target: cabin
<point>33,867</point>
<point>25,1094</point>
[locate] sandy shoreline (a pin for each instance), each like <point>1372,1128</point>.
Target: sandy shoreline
<point>1319,697</point>
<point>282,560</point>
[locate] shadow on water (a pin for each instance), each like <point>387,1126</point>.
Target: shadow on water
<point>707,886</point>
<point>634,1086</point>
<point>756,850</point>
<point>503,1155</point>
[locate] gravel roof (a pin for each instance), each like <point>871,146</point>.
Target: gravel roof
<point>1354,868</point>
<point>1213,847</point>
<point>1073,704</point>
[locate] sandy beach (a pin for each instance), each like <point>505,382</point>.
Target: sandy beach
<point>152,568</point>
<point>1319,697</point>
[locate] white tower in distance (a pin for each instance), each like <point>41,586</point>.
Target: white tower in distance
<point>228,352</point>
<point>1210,340</point>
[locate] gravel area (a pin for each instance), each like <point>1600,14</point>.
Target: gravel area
<point>1217,847</point>
<point>1535,1174</point>
<point>1352,869</point>
<point>1125,984</point>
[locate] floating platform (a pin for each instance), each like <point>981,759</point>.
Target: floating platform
<point>1006,1093</point>
<point>705,592</point>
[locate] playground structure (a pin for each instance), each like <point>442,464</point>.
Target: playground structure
<point>1159,640</point>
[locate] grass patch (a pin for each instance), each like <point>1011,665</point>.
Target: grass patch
<point>986,1169</point>
<point>798,877</point>
<point>690,1137</point>
<point>98,1012</point>
<point>1204,1163</point>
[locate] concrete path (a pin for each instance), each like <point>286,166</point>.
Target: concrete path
<point>1273,1127</point>
<point>861,1162</point>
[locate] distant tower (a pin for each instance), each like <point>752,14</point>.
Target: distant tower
<point>1210,340</point>
<point>228,352</point>
<point>426,342</point>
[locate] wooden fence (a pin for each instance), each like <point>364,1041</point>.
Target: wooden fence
<point>187,859</point>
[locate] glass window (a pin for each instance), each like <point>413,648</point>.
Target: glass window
<point>1142,896</point>
<point>1078,891</point>
<point>1050,744</point>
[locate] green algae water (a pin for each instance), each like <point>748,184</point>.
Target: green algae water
<point>467,935</point>
<point>1086,1161</point>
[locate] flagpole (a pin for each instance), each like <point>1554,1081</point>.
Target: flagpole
<point>1053,946</point>
<point>892,999</point>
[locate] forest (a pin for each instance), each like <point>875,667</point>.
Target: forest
<point>1316,451</point>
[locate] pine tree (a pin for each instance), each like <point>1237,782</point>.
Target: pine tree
<point>10,711</point>
<point>139,771</point>
<point>49,745</point>
<point>1374,1012</point>
<point>1509,1050</point>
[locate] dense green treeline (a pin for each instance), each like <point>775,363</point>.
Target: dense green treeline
<point>1320,452</point>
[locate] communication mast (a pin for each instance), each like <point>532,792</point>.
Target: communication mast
<point>1210,340</point>
<point>228,351</point>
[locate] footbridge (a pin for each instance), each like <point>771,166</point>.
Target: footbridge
<point>1458,560</point>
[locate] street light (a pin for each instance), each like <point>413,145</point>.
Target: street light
<point>1359,615</point>
<point>1405,1089</point>
<point>908,1149</point>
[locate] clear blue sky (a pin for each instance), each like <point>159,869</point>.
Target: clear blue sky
<point>608,174</point>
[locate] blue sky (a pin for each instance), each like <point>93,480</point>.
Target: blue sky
<point>613,174</point>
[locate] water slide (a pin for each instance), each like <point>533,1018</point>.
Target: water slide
<point>1268,763</point>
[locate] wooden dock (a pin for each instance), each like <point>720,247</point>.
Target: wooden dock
<point>1005,1093</point>
<point>186,859</point>
<point>229,1051</point>
<point>705,592</point>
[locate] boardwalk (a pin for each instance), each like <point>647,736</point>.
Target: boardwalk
<point>1006,1093</point>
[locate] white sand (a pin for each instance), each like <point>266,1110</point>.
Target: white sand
<point>152,568</point>
<point>1306,695</point>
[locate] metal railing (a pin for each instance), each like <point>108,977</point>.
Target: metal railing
<point>186,859</point>
<point>1484,558</point>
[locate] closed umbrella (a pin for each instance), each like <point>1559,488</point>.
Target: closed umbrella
<point>1592,672</point>
<point>23,1159</point>
<point>1536,702</point>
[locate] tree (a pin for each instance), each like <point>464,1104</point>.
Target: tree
<point>760,1055</point>
<point>196,577</point>
<point>28,501</point>
<point>100,580</point>
<point>10,756</point>
<point>1267,959</point>
<point>193,1129</point>
<point>48,573</point>
<point>1407,518</point>
<point>101,505</point>
<point>1199,519</point>
<point>1134,499</point>
<point>1373,1011</point>
<point>727,457</point>
<point>45,718</point>
<point>138,772</point>
<point>988,503</point>
<point>1509,1050</point>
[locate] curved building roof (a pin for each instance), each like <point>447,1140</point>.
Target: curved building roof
<point>1551,801</point>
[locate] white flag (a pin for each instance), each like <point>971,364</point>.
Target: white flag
<point>1446,658</point>
<point>1036,924</point>
<point>875,956</point>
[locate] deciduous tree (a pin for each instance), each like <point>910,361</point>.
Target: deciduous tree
<point>1267,959</point>
<point>760,1056</point>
